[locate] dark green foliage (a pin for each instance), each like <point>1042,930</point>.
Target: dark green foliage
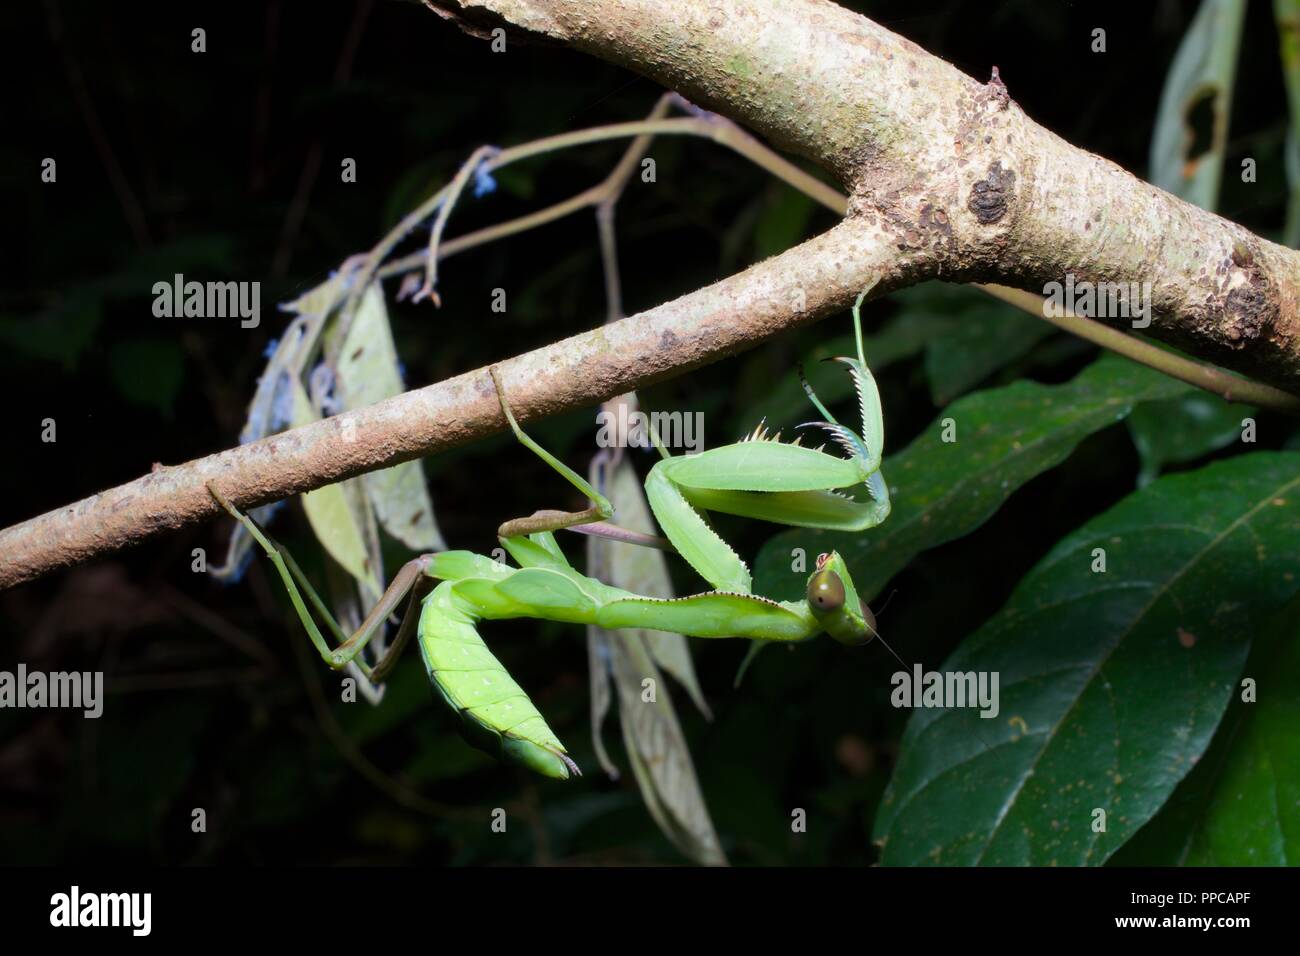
<point>1112,679</point>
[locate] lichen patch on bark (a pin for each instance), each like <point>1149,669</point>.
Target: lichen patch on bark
<point>990,197</point>
<point>1250,306</point>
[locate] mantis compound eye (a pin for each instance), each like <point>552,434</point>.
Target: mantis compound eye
<point>826,591</point>
<point>868,617</point>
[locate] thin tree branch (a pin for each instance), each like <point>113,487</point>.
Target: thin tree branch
<point>1215,380</point>
<point>1226,385</point>
<point>822,275</point>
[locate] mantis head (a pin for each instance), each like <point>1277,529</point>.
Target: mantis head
<point>834,602</point>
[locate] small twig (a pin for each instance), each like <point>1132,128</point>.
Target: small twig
<point>577,372</point>
<point>477,158</point>
<point>1225,384</point>
<point>1199,374</point>
<point>376,257</point>
<point>417,260</point>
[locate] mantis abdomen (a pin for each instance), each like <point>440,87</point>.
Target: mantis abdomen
<point>497,715</point>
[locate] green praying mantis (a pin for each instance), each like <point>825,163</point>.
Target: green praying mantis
<point>759,477</point>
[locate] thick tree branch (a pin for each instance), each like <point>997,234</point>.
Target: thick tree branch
<point>964,182</point>
<point>803,284</point>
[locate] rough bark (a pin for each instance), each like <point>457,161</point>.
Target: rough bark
<point>968,186</point>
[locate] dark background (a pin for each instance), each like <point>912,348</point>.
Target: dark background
<point>171,161</point>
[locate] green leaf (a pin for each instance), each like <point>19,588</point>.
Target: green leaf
<point>148,372</point>
<point>1240,806</point>
<point>1287,15</point>
<point>981,339</point>
<point>1111,682</point>
<point>62,333</point>
<point>783,222</point>
<point>1183,429</point>
<point>1200,77</point>
<point>368,372</point>
<point>970,335</point>
<point>333,519</point>
<point>943,490</point>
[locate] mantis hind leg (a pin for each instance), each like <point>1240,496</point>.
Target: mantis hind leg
<point>549,520</point>
<point>411,577</point>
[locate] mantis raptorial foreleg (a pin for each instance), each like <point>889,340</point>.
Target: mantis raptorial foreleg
<point>760,477</point>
